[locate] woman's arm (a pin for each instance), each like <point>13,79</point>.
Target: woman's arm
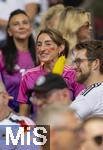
<point>31,9</point>
<point>24,110</point>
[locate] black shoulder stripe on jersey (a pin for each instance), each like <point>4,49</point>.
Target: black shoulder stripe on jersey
<point>90,88</point>
<point>87,91</point>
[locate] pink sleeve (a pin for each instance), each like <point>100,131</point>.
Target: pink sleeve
<point>27,83</point>
<point>22,97</point>
<point>69,75</point>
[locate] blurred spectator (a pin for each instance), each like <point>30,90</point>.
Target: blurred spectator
<point>7,6</point>
<point>64,126</point>
<point>75,26</point>
<point>17,55</point>
<point>93,134</point>
<point>9,119</point>
<point>88,64</point>
<point>96,7</point>
<point>50,88</point>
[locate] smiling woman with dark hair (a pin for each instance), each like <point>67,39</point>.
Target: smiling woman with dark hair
<point>52,50</point>
<point>17,55</point>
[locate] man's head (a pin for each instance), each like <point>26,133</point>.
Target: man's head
<point>89,60</point>
<point>93,131</point>
<point>64,126</point>
<point>50,88</point>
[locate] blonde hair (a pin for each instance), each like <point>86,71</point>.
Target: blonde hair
<point>49,18</point>
<point>70,21</point>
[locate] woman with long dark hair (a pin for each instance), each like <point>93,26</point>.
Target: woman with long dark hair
<point>18,54</point>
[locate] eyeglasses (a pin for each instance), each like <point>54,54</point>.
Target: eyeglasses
<point>98,139</point>
<point>78,61</point>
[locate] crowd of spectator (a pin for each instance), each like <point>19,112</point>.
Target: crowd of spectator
<point>51,74</point>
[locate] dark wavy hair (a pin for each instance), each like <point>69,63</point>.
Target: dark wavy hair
<point>10,51</point>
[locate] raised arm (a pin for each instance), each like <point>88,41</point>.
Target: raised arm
<point>31,9</point>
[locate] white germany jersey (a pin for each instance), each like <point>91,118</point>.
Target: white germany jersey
<point>89,102</point>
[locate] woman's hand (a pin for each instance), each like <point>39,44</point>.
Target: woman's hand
<point>4,96</point>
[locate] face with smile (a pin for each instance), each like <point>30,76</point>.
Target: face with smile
<point>83,66</point>
<point>19,27</point>
<point>47,49</point>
